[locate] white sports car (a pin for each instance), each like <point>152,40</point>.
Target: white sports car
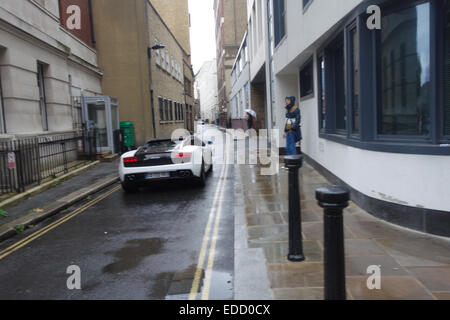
<point>166,159</point>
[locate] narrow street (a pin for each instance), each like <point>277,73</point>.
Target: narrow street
<point>131,246</point>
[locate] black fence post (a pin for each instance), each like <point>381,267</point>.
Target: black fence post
<point>334,199</point>
<point>66,170</point>
<point>294,163</point>
<point>20,170</point>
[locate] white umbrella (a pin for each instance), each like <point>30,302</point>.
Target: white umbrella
<point>251,112</point>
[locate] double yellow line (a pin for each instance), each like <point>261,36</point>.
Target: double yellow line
<point>211,232</point>
<point>54,224</point>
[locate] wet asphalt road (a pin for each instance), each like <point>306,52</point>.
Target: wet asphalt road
<point>128,246</point>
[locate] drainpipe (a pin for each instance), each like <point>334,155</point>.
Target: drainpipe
<point>91,20</point>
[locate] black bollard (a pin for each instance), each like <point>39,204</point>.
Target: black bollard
<point>294,163</point>
<point>334,199</point>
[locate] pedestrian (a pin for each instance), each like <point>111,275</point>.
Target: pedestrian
<point>249,121</point>
<point>292,131</point>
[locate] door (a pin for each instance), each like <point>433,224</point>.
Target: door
<point>97,115</point>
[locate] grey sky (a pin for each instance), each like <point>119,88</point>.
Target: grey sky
<point>203,38</point>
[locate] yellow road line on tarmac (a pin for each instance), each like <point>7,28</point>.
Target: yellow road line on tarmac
<point>16,246</point>
<point>201,258</point>
<point>212,248</point>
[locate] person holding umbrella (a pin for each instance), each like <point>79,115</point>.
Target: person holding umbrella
<point>292,131</point>
<point>251,116</point>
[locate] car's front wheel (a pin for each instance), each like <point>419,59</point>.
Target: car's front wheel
<point>129,188</point>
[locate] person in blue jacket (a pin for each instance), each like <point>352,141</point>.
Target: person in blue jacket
<point>292,131</point>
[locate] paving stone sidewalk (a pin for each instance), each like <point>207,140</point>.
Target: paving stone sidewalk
<point>84,179</point>
<point>413,265</point>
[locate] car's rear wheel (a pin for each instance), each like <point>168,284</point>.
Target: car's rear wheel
<point>202,178</point>
<point>128,188</point>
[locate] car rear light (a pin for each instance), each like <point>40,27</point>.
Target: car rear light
<point>130,160</point>
<point>183,155</point>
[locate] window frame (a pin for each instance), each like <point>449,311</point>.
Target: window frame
<point>166,110</point>
<point>368,138</point>
<point>42,95</point>
<point>161,108</point>
<point>307,64</point>
<point>441,95</point>
<point>170,111</point>
<point>279,21</point>
<point>350,78</point>
<point>389,9</point>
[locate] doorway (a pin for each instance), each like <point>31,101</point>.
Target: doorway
<point>101,113</point>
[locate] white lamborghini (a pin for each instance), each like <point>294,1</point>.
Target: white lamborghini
<point>166,159</point>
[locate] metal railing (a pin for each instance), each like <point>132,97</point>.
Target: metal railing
<point>29,161</point>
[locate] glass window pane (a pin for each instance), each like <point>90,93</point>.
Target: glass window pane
<point>307,80</point>
<point>322,104</point>
<point>405,72</point>
<point>97,114</point>
<point>447,73</point>
<point>355,79</point>
<point>340,86</point>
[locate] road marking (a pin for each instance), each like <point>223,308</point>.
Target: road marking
<point>16,246</point>
<point>201,258</point>
<point>212,248</point>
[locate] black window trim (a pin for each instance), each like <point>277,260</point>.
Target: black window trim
<point>368,139</point>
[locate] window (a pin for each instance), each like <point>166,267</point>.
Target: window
<point>279,11</point>
<point>163,59</point>
<point>182,111</point>
<point>321,86</point>
<point>260,20</point>
<point>247,96</point>
<point>2,111</point>
<point>447,73</point>
<point>307,80</point>
<point>167,66</point>
<point>161,109</point>
<point>404,45</point>
<point>42,99</point>
<point>403,103</point>
<point>354,78</point>
<point>166,110</point>
<point>339,99</point>
<point>188,87</point>
<point>157,54</point>
<point>170,111</point>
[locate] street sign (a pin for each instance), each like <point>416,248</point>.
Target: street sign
<point>11,160</point>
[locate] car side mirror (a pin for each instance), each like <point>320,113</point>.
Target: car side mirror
<point>210,142</point>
